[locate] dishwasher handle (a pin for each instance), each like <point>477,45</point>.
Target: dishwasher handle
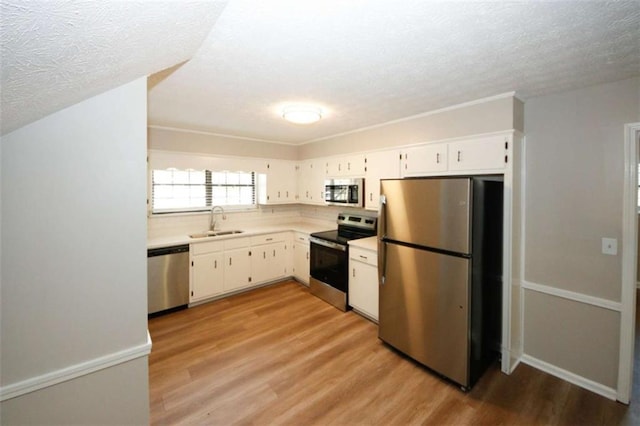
<point>162,251</point>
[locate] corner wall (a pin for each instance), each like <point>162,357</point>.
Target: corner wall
<point>73,264</point>
<point>574,190</point>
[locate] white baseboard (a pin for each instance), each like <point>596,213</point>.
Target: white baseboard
<point>515,364</point>
<point>570,377</point>
<point>74,371</point>
<point>510,360</point>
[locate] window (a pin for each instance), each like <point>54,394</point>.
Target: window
<point>175,190</point>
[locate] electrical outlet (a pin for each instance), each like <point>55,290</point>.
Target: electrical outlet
<point>610,246</point>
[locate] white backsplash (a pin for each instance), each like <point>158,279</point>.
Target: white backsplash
<point>161,226</point>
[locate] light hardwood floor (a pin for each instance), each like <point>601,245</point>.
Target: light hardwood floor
<point>278,355</point>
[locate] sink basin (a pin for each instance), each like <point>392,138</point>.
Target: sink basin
<point>217,233</point>
<point>206,234</point>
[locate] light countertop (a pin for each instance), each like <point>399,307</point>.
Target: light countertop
<point>248,231</point>
<point>370,243</point>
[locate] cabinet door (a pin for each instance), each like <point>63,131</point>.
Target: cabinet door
<point>301,262</point>
<point>278,184</point>
<point>425,159</point>
<point>489,153</point>
<point>237,269</point>
<point>363,288</point>
<point>316,183</point>
<point>206,276</point>
<point>268,262</point>
<point>311,182</point>
<point>379,165</point>
<point>277,256</point>
<point>352,165</point>
<point>288,256</point>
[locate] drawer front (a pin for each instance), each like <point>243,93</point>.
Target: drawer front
<point>208,247</point>
<point>365,256</point>
<point>235,243</point>
<point>268,238</point>
<point>301,238</point>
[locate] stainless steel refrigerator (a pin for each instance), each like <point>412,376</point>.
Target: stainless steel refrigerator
<point>440,272</point>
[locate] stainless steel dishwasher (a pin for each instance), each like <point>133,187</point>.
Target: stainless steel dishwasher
<point>167,278</point>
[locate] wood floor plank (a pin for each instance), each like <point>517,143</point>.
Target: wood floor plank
<point>280,356</point>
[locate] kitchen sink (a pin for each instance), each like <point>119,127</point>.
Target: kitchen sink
<point>206,234</point>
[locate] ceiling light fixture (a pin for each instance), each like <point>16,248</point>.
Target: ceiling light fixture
<point>302,114</point>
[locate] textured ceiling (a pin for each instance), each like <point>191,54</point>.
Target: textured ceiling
<point>365,62</point>
<point>57,52</point>
<point>369,62</point>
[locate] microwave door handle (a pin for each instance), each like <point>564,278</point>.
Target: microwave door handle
<point>382,245</point>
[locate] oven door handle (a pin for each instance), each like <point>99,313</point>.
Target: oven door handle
<point>328,244</point>
<point>382,246</point>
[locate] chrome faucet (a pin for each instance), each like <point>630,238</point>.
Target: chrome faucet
<point>213,221</point>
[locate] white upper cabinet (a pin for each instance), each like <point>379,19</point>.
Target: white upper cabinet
<point>379,165</point>
<point>278,184</point>
<point>418,160</point>
<point>311,181</point>
<point>351,165</point>
<point>488,153</point>
<point>478,155</point>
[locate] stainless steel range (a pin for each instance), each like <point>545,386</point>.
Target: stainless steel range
<point>330,257</point>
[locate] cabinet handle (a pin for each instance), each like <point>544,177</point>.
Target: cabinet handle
<point>348,166</point>
<point>264,254</point>
<point>229,261</point>
<point>278,194</point>
<point>274,253</point>
<point>371,196</point>
<point>354,272</point>
<point>363,257</point>
<point>215,264</point>
<point>287,194</point>
<point>438,158</point>
<point>307,255</point>
<point>459,152</point>
<point>269,239</point>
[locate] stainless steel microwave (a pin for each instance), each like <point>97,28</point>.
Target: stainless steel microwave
<point>344,192</point>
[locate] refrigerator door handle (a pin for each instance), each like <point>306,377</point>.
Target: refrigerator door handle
<point>382,247</point>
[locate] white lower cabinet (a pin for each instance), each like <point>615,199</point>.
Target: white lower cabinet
<point>219,267</point>
<point>268,262</point>
<point>363,282</point>
<point>301,257</point>
<point>206,276</point>
<point>237,269</point>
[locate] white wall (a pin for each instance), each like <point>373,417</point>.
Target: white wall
<point>207,143</point>
<point>73,248</point>
<point>482,116</point>
<point>574,184</point>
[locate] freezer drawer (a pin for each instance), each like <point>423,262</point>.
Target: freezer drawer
<point>424,309</point>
